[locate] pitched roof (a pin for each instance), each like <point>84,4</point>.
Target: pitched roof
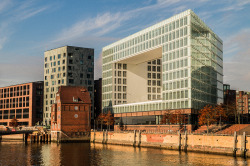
<point>74,94</point>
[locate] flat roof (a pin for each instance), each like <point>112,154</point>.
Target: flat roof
<point>21,84</point>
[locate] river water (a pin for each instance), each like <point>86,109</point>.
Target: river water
<point>74,154</point>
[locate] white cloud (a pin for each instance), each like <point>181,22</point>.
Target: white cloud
<point>236,67</point>
<point>4,5</point>
<point>16,13</point>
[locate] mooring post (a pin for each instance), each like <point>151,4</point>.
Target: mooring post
<point>179,140</point>
<point>139,139</point>
<point>31,136</point>
<point>103,136</point>
<point>106,136</point>
<point>134,143</point>
<point>243,145</point>
<point>185,142</point>
<point>235,144</point>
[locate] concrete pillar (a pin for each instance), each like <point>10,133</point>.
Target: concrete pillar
<point>179,140</point>
<point>94,136</point>
<point>185,142</point>
<point>235,144</point>
<point>243,145</point>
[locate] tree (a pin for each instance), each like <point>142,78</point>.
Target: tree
<point>109,119</point>
<point>220,113</point>
<point>101,118</point>
<point>14,122</point>
<point>176,117</point>
<point>231,111</point>
<point>207,116</point>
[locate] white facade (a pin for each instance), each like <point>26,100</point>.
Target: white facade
<point>175,64</point>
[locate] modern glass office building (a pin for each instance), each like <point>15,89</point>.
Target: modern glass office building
<point>176,64</point>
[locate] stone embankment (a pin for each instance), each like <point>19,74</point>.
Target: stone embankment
<point>235,145</point>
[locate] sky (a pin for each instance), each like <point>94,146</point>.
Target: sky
<point>30,27</point>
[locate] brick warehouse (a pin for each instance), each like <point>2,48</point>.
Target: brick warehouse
<point>70,114</point>
<point>23,101</point>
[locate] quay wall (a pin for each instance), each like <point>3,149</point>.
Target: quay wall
<point>235,145</point>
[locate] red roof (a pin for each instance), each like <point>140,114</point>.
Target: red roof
<point>74,94</point>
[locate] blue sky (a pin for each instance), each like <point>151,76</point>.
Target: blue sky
<point>30,27</point>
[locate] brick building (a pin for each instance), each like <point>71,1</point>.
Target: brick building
<point>23,102</point>
<point>70,114</point>
<point>240,100</point>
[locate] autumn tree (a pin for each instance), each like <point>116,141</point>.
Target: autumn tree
<point>176,117</point>
<point>14,122</point>
<point>100,119</point>
<point>220,113</point>
<point>232,112</point>
<point>109,119</point>
<point>207,116</point>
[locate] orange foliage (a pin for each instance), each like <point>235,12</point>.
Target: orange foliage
<point>14,122</point>
<point>109,119</point>
<point>207,115</point>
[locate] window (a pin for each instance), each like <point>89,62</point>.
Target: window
<point>59,56</point>
<point>71,81</point>
<point>90,70</point>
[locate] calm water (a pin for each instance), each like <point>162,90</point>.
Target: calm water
<point>97,154</point>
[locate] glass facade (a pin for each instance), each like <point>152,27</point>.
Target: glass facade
<point>188,68</point>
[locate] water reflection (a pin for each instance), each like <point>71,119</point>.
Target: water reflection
<point>97,154</point>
